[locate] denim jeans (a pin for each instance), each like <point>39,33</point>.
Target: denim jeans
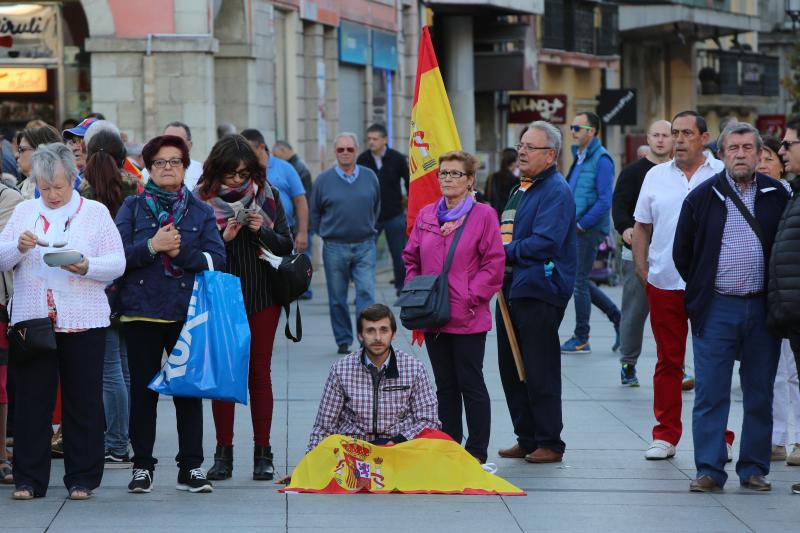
<point>586,293</point>
<point>395,228</point>
<point>345,262</point>
<point>734,326</point>
<point>116,392</point>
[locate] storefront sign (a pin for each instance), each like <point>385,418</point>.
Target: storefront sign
<point>617,107</point>
<point>353,43</point>
<point>524,108</point>
<point>774,125</point>
<point>23,80</point>
<point>28,31</point>
<point>384,50</point>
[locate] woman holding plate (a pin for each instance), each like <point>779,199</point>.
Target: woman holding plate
<point>64,250</point>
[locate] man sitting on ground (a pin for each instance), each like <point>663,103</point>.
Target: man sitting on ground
<point>406,403</point>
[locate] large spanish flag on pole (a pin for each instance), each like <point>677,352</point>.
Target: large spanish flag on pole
<point>433,131</point>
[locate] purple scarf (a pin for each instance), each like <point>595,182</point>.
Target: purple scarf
<point>451,219</point>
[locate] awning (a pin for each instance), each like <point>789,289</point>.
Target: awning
<point>522,7</point>
<point>653,22</point>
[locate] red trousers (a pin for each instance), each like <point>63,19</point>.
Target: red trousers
<point>262,335</point>
<point>670,328</point>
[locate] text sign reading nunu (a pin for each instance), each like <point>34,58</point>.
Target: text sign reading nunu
<point>23,80</point>
<point>524,108</point>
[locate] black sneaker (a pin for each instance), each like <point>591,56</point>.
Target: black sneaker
<point>344,349</point>
<point>114,460</point>
<point>142,481</point>
<point>194,480</point>
<point>628,376</point>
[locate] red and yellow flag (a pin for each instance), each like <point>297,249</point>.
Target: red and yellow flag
<point>433,463</point>
<point>433,131</point>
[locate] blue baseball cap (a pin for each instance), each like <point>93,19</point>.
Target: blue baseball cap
<point>80,129</point>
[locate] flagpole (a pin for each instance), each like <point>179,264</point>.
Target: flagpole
<point>512,336</point>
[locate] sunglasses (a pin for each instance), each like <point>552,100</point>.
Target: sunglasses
<point>788,144</point>
<point>576,128</point>
<point>42,242</point>
<point>348,149</point>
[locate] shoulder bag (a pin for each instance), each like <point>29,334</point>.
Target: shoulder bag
<point>425,300</point>
<point>30,339</point>
<point>748,216</point>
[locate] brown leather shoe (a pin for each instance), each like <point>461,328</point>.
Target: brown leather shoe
<point>756,482</point>
<point>704,484</point>
<point>515,452</point>
<point>544,455</point>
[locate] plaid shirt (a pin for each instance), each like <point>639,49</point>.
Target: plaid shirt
<point>398,402</point>
<point>741,258</point>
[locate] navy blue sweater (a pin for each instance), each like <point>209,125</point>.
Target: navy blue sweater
<point>698,238</point>
<point>544,230</point>
<point>345,212</point>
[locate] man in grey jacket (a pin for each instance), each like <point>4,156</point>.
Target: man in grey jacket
<point>345,202</point>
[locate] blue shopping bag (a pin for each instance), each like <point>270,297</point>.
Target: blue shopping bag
<point>212,356</point>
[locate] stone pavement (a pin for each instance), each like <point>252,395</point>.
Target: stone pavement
<point>604,483</point>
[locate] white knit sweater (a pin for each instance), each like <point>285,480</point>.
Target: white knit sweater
<point>84,305</point>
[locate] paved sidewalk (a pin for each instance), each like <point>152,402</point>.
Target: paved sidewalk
<point>604,483</point>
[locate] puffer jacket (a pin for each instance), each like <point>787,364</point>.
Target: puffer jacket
<point>784,270</point>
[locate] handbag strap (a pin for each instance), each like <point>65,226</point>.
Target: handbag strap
<point>453,245</point>
<point>298,323</point>
<point>748,216</point>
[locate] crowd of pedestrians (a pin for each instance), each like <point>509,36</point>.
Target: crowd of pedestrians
<point>708,247</point>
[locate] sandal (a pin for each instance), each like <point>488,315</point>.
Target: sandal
<point>6,473</point>
<point>23,492</point>
<point>79,493</point>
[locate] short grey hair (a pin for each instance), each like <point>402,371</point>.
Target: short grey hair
<point>346,134</point>
<point>45,161</point>
<point>739,128</point>
<point>553,134</point>
<point>98,126</point>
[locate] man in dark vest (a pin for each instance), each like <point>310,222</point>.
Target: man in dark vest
<point>591,180</point>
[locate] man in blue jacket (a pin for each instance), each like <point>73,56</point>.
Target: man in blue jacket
<point>538,230</point>
<point>722,247</point>
<point>591,180</point>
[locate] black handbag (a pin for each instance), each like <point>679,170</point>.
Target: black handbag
<point>30,339</point>
<point>287,283</point>
<point>425,300</point>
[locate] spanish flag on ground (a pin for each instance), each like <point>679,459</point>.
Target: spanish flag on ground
<point>433,463</point>
<point>433,131</point>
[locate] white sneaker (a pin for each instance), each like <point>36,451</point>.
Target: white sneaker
<point>489,467</point>
<point>730,452</point>
<point>659,450</point>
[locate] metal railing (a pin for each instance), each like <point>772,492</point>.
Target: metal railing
<point>570,25</point>
<point>737,72</point>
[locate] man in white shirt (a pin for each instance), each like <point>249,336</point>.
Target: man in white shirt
<point>195,170</point>
<point>657,210</point>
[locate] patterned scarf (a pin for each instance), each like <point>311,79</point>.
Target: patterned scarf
<point>451,219</point>
<point>247,196</point>
<point>168,208</point>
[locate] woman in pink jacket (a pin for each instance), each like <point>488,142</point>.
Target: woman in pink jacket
<point>476,274</point>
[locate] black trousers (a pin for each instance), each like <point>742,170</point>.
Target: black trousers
<point>457,362</point>
<point>78,363</point>
<point>535,406</point>
<point>146,341</point>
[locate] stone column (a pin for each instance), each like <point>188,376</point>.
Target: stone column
<point>460,76</point>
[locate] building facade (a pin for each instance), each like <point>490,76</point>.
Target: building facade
<point>298,70</point>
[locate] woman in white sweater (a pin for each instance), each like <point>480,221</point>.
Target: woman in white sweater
<point>73,297</point>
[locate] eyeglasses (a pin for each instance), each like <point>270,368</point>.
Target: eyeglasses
<point>530,148</point>
<point>162,163</point>
<point>22,149</point>
<point>348,149</point>
<point>74,141</point>
<point>243,175</point>
<point>578,127</point>
<point>788,144</point>
<point>452,174</point>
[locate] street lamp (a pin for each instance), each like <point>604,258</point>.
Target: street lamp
<point>793,10</point>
